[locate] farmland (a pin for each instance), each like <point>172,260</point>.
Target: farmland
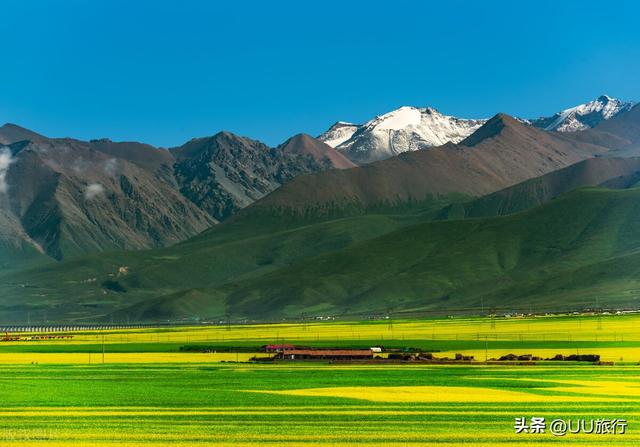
<point>223,404</point>
<point>615,336</point>
<point>149,392</point>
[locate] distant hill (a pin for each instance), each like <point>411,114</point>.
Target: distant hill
<point>224,173</point>
<point>143,155</point>
<point>616,173</point>
<point>11,133</point>
<point>625,125</point>
<point>305,145</point>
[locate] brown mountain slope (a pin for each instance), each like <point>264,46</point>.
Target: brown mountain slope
<point>145,156</point>
<point>501,153</point>
<point>71,198</point>
<point>303,144</point>
<point>626,125</point>
<point>617,173</point>
<point>224,173</point>
<point>621,133</point>
<point>67,197</point>
<point>15,245</point>
<point>11,133</point>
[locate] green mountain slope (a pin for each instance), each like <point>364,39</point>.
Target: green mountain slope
<point>94,285</point>
<point>562,255</point>
<point>264,267</point>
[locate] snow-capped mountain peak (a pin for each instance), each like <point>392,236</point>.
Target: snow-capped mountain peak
<point>583,116</point>
<point>411,128</point>
<point>338,133</point>
<point>396,120</point>
<point>401,130</point>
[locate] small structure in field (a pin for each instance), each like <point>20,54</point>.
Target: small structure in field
<point>278,348</point>
<point>326,354</point>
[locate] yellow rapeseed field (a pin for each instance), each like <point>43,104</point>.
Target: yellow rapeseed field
<point>452,394</point>
<point>129,357</point>
<point>607,328</point>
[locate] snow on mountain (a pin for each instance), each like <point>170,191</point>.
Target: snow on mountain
<point>338,133</point>
<point>584,116</point>
<point>411,128</point>
<point>402,130</point>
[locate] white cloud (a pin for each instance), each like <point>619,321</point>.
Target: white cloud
<point>93,191</point>
<point>5,160</point>
<point>110,167</point>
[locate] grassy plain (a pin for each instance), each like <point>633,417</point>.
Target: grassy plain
<point>149,393</point>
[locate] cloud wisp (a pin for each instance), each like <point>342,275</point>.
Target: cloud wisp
<point>5,161</point>
<point>93,190</point>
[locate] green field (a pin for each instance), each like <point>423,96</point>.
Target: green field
<point>178,404</point>
<point>149,392</point>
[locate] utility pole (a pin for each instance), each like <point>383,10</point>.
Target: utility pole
<point>486,350</point>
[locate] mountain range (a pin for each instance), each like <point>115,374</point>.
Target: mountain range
<point>502,152</point>
<point>227,225</point>
<point>584,116</point>
<point>410,129</point>
<point>64,197</point>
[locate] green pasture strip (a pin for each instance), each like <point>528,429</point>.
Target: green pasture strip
<point>255,345</point>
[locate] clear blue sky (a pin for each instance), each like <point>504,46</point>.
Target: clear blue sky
<point>166,71</point>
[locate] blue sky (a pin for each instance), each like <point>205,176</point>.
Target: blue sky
<point>163,72</point>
